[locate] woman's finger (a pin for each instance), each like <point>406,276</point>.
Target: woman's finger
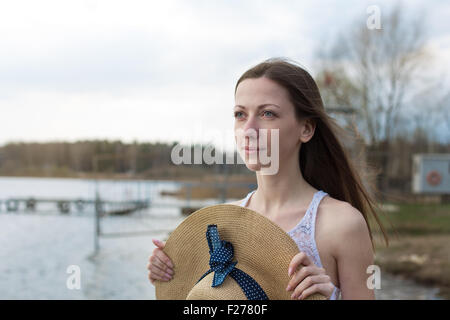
<point>325,288</point>
<point>299,259</point>
<point>160,244</point>
<point>159,274</point>
<point>308,282</point>
<point>299,276</point>
<point>155,274</point>
<point>163,258</point>
<point>157,261</point>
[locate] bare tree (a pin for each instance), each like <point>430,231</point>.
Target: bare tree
<point>380,73</point>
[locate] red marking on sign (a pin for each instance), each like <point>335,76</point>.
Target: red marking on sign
<point>434,178</point>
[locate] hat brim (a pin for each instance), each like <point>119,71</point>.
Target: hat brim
<point>262,249</point>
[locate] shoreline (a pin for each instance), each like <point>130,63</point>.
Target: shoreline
<point>200,178</point>
<point>421,258</point>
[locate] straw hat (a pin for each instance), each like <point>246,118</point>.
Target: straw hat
<point>249,258</point>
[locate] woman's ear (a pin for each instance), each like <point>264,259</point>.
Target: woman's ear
<point>307,128</point>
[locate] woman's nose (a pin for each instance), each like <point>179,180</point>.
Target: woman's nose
<point>251,127</point>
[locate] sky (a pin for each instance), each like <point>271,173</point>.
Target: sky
<point>158,70</point>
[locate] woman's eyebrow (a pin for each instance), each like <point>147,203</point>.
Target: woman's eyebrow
<point>259,107</point>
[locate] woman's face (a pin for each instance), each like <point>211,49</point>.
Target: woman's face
<point>263,104</point>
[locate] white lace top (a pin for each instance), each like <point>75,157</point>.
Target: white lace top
<point>303,233</point>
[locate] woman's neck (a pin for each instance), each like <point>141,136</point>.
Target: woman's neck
<point>281,191</point>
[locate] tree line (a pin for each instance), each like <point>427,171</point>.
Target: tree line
<point>89,158</point>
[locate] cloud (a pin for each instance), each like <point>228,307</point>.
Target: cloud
<point>113,46</point>
<point>139,69</point>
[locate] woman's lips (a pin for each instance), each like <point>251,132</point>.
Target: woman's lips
<point>251,150</point>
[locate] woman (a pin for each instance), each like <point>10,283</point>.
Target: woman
<point>315,194</point>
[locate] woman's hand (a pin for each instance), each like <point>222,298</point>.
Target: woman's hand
<point>160,266</point>
<point>309,279</point>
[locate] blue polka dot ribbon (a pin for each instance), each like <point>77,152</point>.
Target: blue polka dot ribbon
<point>221,255</point>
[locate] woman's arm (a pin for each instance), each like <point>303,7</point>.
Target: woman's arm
<point>353,252</point>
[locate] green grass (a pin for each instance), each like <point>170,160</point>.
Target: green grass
<point>418,219</point>
<point>423,230</point>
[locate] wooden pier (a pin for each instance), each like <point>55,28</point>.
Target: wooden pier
<point>65,206</point>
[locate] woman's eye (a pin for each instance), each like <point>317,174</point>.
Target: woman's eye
<point>236,114</point>
<point>271,113</point>
<point>266,113</point>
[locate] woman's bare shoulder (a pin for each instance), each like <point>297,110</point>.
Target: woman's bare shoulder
<point>344,217</point>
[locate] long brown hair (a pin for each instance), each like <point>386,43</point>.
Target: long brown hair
<point>323,160</point>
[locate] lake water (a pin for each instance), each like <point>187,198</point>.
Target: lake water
<point>36,249</point>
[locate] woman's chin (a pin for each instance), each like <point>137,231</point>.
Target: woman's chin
<point>253,166</point>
